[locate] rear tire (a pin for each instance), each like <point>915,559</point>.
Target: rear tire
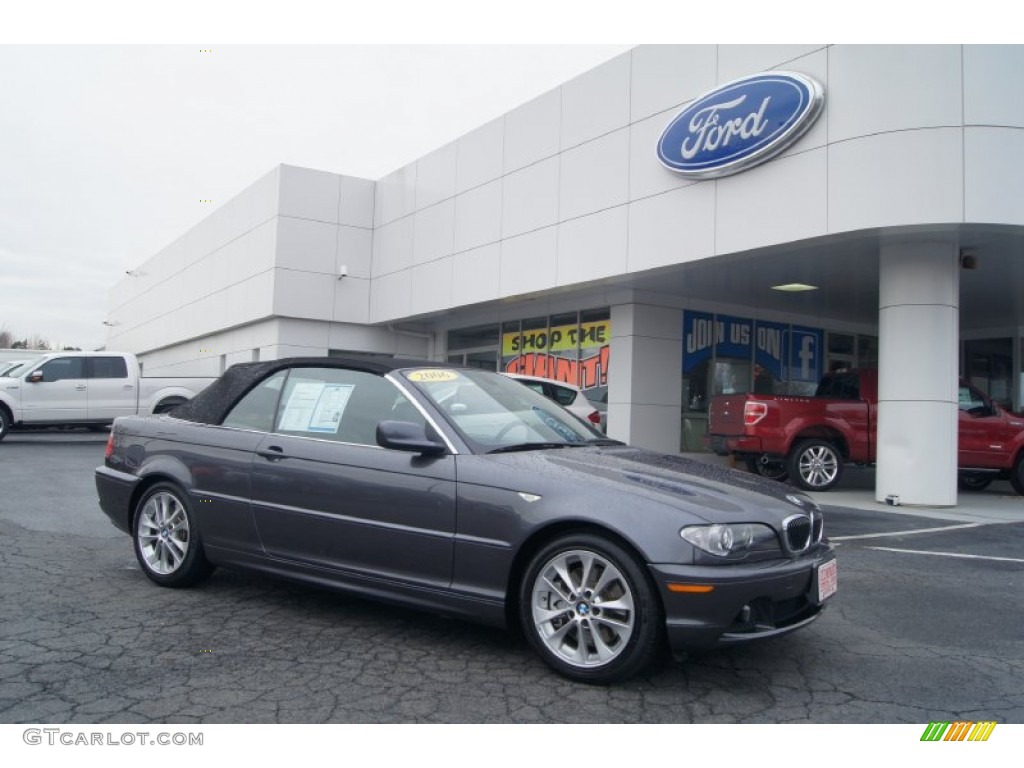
<point>815,465</point>
<point>588,608</point>
<point>167,542</point>
<point>1017,475</point>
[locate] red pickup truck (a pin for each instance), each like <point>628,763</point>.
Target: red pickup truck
<point>809,439</point>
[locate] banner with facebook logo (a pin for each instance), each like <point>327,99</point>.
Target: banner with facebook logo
<point>806,354</point>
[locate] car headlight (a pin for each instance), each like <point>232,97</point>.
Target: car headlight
<point>731,540</point>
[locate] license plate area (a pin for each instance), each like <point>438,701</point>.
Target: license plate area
<point>826,581</point>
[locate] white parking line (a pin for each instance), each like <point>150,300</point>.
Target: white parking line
<point>949,554</point>
<point>905,533</point>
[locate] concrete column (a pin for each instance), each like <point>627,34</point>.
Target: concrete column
<point>644,381</point>
<point>919,330</point>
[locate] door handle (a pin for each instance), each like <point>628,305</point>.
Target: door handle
<point>80,386</point>
<point>271,453</point>
<point>127,386</point>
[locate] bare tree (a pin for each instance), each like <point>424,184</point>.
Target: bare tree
<point>38,342</point>
<point>6,337</point>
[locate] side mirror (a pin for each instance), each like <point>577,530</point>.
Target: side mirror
<point>35,377</point>
<point>406,436</point>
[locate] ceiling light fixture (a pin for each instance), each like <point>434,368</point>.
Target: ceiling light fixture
<point>794,287</point>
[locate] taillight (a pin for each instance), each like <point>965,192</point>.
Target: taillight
<point>753,412</point>
<point>594,417</point>
<point>110,446</point>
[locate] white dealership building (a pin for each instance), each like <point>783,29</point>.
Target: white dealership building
<point>567,238</point>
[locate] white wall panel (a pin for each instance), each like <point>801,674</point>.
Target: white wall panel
<point>736,61</point>
<point>528,262</point>
<point>306,244</point>
<point>357,200</point>
<point>396,195</point>
<point>594,176</point>
<point>434,232</point>
<point>355,251</point>
<point>259,295</point>
<point>478,216</point>
<point>303,294</point>
<point>435,176</point>
<point>672,228</point>
<point>392,247</point>
<point>389,296</point>
<point>592,247</point>
<point>596,102</point>
<point>994,175</point>
<point>876,88</point>
<point>480,154</point>
<point>309,194</point>
<point>530,198</point>
<point>532,131</point>
<point>667,76</point>
<point>781,201</point>
<point>990,97</point>
<point>896,179</point>
<point>647,176</point>
<point>475,275</point>
<point>351,300</point>
<point>431,287</point>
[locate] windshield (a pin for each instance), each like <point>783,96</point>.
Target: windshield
<point>492,412</point>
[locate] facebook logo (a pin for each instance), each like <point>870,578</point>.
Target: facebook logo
<point>805,347</point>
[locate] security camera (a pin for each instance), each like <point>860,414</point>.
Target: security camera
<point>342,271</point>
<point>968,261</point>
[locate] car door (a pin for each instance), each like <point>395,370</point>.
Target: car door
<point>60,395</point>
<point>111,392</point>
<point>324,494</point>
<point>983,438</point>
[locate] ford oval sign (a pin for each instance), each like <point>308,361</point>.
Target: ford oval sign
<point>740,124</point>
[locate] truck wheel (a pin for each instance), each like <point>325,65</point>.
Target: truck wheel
<point>5,423</point>
<point>815,465</point>
<point>1017,475</point>
<point>773,469</point>
<point>973,481</point>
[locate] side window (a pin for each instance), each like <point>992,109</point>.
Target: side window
<point>563,395</point>
<point>339,404</point>
<point>971,400</point>
<point>536,386</point>
<point>109,368</point>
<point>64,368</point>
<point>256,410</point>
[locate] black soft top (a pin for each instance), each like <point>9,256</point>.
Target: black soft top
<point>212,404</point>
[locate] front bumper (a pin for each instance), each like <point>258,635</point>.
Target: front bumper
<point>746,602</point>
<point>115,490</point>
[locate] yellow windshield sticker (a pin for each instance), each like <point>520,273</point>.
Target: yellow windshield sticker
<point>434,374</point>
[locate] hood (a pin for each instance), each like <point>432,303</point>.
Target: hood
<point>708,491</point>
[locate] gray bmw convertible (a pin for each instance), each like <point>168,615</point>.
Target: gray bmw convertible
<point>463,492</point>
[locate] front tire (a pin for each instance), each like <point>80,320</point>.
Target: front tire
<point>5,423</point>
<point>815,465</point>
<point>973,481</point>
<point>588,608</point>
<point>773,469</point>
<point>167,543</point>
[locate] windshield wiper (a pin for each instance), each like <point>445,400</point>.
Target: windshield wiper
<point>604,441</point>
<point>533,447</point>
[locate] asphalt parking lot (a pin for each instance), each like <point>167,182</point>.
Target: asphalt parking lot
<point>926,626</point>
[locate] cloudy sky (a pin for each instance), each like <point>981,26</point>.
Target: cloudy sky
<point>107,151</point>
<point>107,148</point>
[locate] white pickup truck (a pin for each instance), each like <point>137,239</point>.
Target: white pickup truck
<point>86,389</point>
